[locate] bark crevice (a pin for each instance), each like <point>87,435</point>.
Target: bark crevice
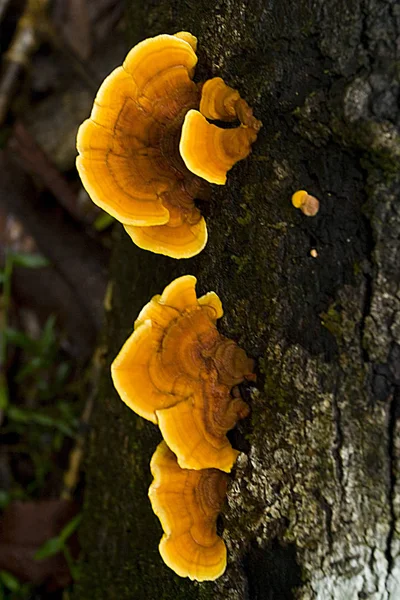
<point>393,413</point>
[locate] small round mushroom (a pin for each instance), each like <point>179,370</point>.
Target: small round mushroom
<point>309,205</point>
<point>187,503</point>
<point>177,370</point>
<point>210,151</point>
<point>129,158</point>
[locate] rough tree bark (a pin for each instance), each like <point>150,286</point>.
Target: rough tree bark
<point>314,505</point>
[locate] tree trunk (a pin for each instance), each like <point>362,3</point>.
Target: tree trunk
<point>314,505</point>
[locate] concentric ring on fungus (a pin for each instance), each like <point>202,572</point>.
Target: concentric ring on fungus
<point>177,370</point>
<point>146,152</point>
<point>209,151</point>
<point>129,159</point>
<point>187,503</point>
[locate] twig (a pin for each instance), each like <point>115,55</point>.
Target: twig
<point>23,45</point>
<point>6,299</point>
<point>71,476</point>
<point>4,4</point>
<point>33,26</point>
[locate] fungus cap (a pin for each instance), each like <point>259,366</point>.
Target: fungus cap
<point>177,370</point>
<point>210,151</point>
<point>298,198</point>
<point>195,428</point>
<point>182,239</point>
<point>309,205</point>
<point>129,159</point>
<point>218,100</point>
<point>187,503</point>
<point>188,37</point>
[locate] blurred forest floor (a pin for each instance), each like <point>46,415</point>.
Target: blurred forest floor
<point>54,253</point>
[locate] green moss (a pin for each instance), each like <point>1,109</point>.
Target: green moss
<point>280,397</point>
<point>307,28</point>
<point>247,217</point>
<point>240,261</point>
<point>332,321</point>
<point>281,226</point>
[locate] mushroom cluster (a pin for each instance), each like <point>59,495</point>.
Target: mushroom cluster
<point>146,152</point>
<point>139,164</point>
<point>178,371</point>
<point>128,163</point>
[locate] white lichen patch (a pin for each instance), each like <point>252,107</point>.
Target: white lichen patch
<point>317,475</point>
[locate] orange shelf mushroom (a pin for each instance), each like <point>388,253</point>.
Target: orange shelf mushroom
<point>129,160</point>
<point>209,151</point>
<point>177,370</point>
<point>187,503</point>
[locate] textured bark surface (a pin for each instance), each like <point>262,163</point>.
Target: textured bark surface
<point>314,505</point>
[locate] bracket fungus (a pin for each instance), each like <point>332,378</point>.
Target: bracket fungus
<point>177,370</point>
<point>129,160</point>
<point>202,141</point>
<point>187,503</point>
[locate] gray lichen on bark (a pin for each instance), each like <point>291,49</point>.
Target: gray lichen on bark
<point>314,505</point>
